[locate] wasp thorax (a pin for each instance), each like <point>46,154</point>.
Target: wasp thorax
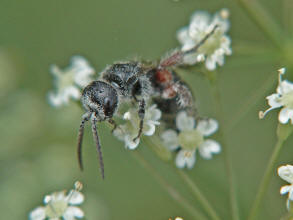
<point>123,76</point>
<point>101,98</point>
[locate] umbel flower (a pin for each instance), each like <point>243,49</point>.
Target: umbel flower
<point>283,98</point>
<point>128,131</point>
<point>190,138</point>
<point>217,45</point>
<point>69,82</point>
<point>286,173</point>
<point>60,205</point>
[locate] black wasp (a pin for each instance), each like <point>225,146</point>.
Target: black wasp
<point>138,82</point>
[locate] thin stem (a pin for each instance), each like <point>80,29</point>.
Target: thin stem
<point>265,180</point>
<point>169,188</point>
<point>263,20</point>
<point>287,16</point>
<point>226,154</point>
<point>197,193</point>
<point>154,143</point>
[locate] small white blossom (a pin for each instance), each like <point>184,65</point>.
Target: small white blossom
<point>60,205</point>
<point>216,46</point>
<point>69,82</point>
<point>282,98</point>
<point>286,173</point>
<point>128,131</point>
<point>191,138</point>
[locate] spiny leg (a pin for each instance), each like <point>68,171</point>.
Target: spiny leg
<point>202,41</point>
<point>176,58</point>
<point>97,141</point>
<point>141,113</point>
<point>79,140</point>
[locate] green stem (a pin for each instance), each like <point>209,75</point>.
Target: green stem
<point>263,20</point>
<point>226,154</point>
<point>169,188</point>
<point>197,193</point>
<point>265,180</point>
<point>154,143</point>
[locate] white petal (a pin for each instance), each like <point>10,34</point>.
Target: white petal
<point>184,122</point>
<point>153,114</point>
<point>75,198</point>
<point>285,87</point>
<point>192,58</point>
<point>71,212</point>
<point>286,173</point>
<point>38,214</point>
<point>222,22</point>
<point>82,70</point>
<point>119,132</point>
<point>149,129</point>
<point>207,126</point>
<point>285,114</point>
<point>56,196</point>
<point>274,100</point>
<point>183,36</point>
<point>71,92</point>
<point>185,158</point>
<point>129,143</point>
<point>208,148</point>
<point>170,139</point>
<point>285,189</point>
<point>210,63</point>
<point>54,99</point>
<point>200,21</point>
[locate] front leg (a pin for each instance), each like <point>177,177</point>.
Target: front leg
<point>141,113</point>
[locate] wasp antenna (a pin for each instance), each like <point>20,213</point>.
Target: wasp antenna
<point>79,142</point>
<point>98,145</point>
<point>202,41</point>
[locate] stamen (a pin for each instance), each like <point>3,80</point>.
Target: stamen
<point>78,186</point>
<point>224,13</point>
<point>262,114</point>
<point>281,72</point>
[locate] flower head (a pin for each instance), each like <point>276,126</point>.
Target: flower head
<point>191,138</point>
<point>282,98</point>
<point>128,131</point>
<point>216,46</point>
<point>60,205</point>
<point>70,81</point>
<point>286,173</point>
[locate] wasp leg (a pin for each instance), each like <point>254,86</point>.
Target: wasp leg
<point>141,113</point>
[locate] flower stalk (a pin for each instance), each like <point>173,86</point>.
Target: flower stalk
<point>264,21</point>
<point>197,193</point>
<point>213,80</point>
<point>169,188</point>
<point>283,132</point>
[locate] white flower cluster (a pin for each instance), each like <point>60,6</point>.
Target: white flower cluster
<point>286,173</point>
<point>283,98</point>
<point>60,205</point>
<point>69,82</point>
<point>191,137</point>
<point>128,131</point>
<point>216,46</point>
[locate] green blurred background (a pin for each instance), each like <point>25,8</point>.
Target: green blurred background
<point>38,142</point>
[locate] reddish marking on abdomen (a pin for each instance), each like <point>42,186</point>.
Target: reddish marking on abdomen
<point>163,76</point>
<point>169,92</point>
